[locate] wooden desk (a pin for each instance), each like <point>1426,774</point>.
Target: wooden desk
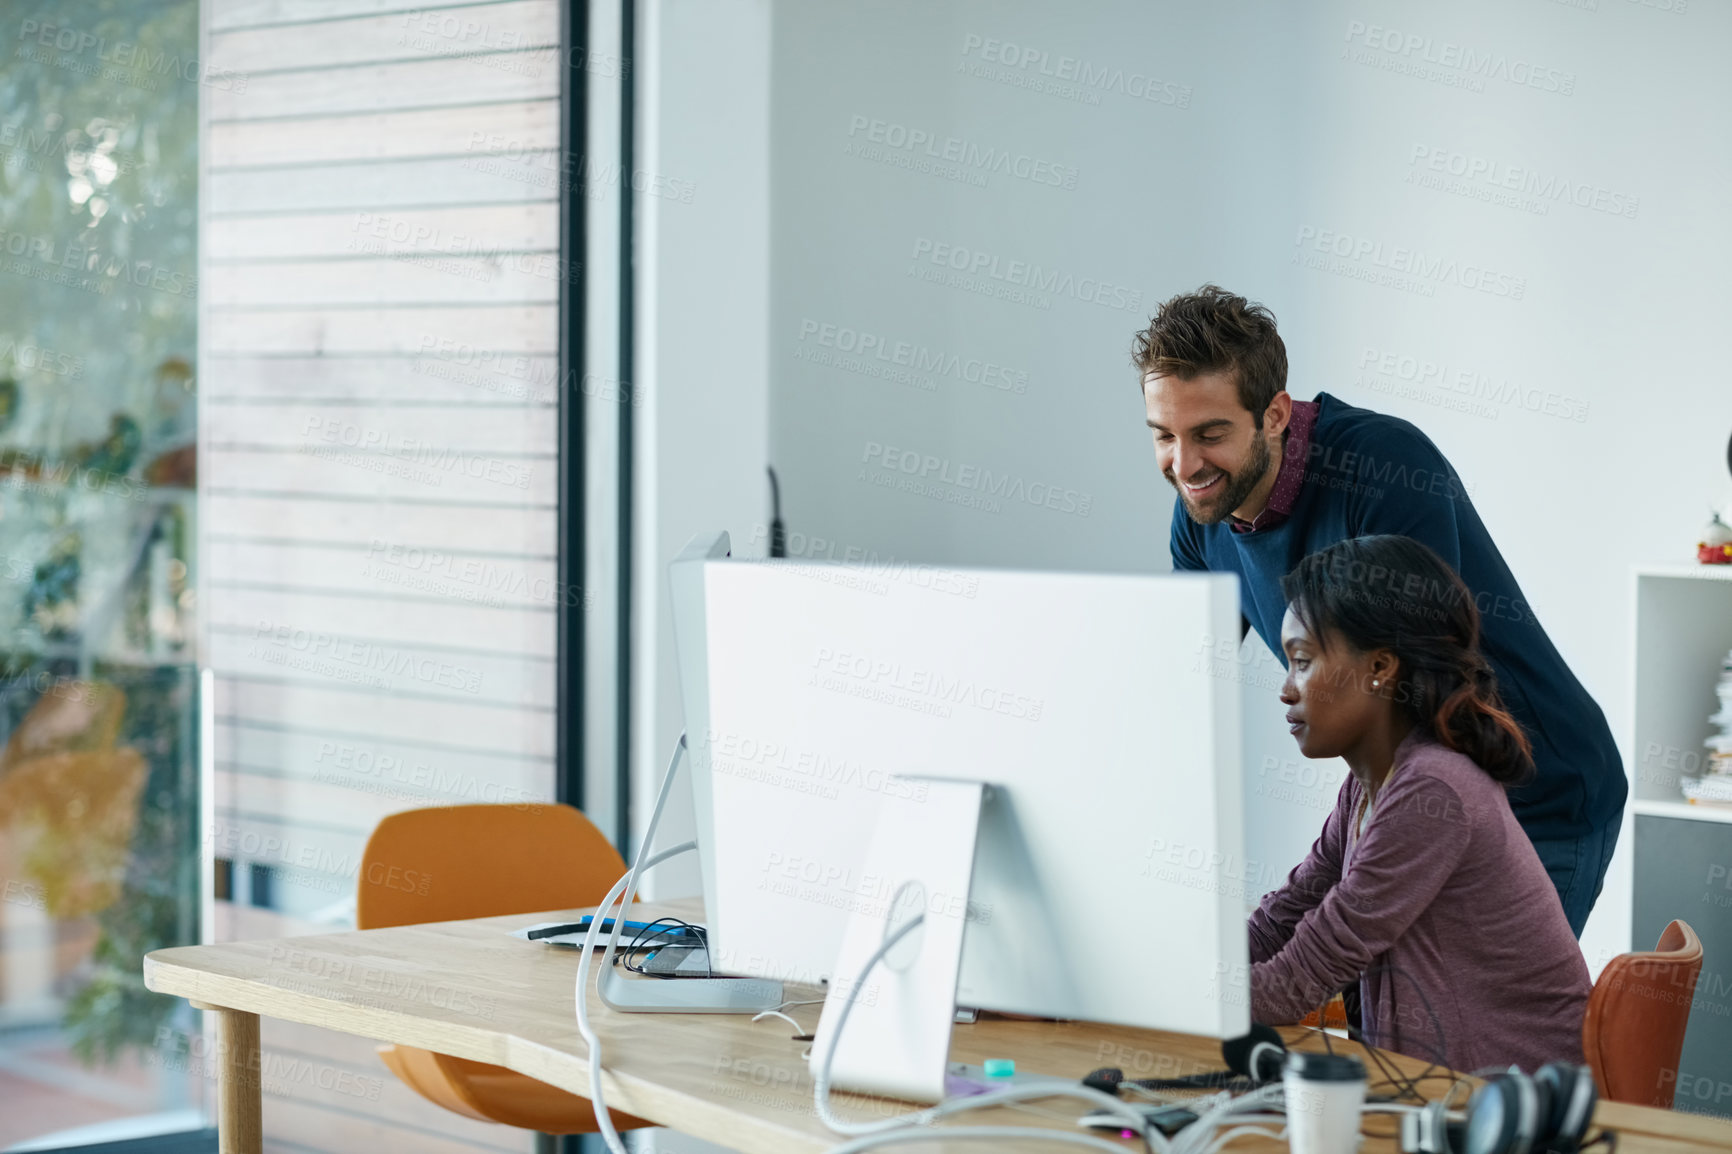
<point>469,989</point>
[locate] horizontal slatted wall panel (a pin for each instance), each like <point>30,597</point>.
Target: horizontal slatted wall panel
<point>381,282</point>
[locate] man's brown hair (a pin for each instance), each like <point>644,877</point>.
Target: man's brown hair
<point>1211,331</point>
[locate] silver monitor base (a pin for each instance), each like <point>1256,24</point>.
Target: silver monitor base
<point>690,995</point>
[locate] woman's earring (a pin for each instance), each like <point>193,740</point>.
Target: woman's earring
<point>1375,684</point>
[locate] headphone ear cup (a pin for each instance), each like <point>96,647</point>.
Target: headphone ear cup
<point>1573,1098</point>
<point>1503,1116</point>
<point>1557,1082</point>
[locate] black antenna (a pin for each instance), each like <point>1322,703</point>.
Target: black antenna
<point>778,534</point>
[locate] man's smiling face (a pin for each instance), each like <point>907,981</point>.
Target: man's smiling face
<point>1208,447</point>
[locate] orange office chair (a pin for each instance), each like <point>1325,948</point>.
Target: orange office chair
<point>488,860</point>
<point>1332,1016</point>
<point>1634,1029</point>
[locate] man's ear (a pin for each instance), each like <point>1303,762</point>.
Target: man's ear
<point>1279,414</point>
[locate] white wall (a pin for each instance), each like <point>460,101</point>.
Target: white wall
<point>703,267</point>
<point>1271,125</point>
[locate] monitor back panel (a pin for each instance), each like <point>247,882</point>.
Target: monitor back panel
<point>1109,879</point>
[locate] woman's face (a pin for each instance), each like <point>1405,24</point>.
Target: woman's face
<point>1331,702</point>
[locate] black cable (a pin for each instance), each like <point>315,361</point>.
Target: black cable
<point>1442,1052</point>
<point>1323,1027</point>
<point>647,937</point>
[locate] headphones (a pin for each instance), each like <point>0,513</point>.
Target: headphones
<point>1512,1113</point>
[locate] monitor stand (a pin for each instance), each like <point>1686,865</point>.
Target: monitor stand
<point>689,995</point>
<point>897,1037</point>
<point>680,995</point>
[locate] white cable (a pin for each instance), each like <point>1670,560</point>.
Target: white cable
<point>623,891</point>
<point>604,1122</point>
<point>996,1133</point>
<point>1240,1131</point>
<point>1198,1137</point>
<point>759,1017</point>
<point>897,1129</point>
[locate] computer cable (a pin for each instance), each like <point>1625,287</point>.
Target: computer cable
<point>623,891</point>
<point>604,1122</point>
<point>913,1126</point>
<point>1392,1075</point>
<point>646,940</point>
<point>801,1035</point>
<point>1441,1053</point>
<point>979,1133</point>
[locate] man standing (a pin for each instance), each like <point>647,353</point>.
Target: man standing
<point>1264,480</point>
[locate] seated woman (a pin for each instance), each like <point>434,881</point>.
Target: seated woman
<point>1422,888</point>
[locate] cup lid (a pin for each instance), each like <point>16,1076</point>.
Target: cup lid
<point>1325,1067</point>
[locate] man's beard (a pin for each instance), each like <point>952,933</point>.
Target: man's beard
<point>1234,490</point>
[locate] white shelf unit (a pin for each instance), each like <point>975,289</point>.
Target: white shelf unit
<point>1683,623</point>
<point>1683,629</point>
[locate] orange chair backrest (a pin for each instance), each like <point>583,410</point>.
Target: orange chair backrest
<point>1634,1029</point>
<point>476,861</point>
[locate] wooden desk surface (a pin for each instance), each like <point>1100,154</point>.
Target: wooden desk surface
<point>469,989</point>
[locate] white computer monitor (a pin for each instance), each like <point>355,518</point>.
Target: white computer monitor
<point>1108,876</point>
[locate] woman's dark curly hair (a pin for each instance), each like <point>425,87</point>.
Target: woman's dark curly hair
<point>1395,593</point>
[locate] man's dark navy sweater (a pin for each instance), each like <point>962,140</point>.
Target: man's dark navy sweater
<point>1369,473</point>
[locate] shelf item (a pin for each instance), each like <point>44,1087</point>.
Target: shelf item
<point>1715,790</point>
<point>1715,547</point>
<point>1683,811</point>
<point>1715,784</point>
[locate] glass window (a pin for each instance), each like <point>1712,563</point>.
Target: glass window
<point>98,691</point>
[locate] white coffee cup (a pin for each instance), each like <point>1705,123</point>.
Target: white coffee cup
<point>1325,1095</point>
